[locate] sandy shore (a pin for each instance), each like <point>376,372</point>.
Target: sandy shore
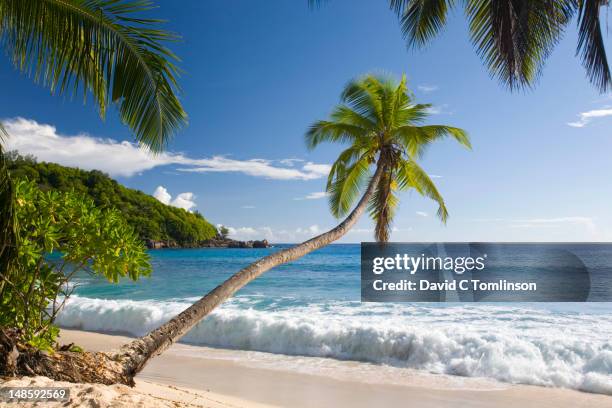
<point>198,376</point>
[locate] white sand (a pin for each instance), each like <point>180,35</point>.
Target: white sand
<point>196,376</point>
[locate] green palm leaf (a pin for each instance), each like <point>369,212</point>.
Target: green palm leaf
<point>421,20</point>
<point>345,188</point>
<point>591,45</point>
<point>416,138</point>
<point>411,175</point>
<point>102,47</point>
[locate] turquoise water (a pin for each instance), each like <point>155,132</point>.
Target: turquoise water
<point>328,274</point>
<point>311,307</point>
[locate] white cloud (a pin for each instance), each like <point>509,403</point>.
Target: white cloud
<point>314,196</point>
<point>434,176</point>
<point>439,110</point>
<point>585,222</point>
<point>273,235</point>
<point>586,117</point>
<point>290,162</point>
<point>257,168</point>
<point>313,229</point>
<point>126,159</point>
<point>248,207</point>
<point>425,88</point>
<point>422,214</point>
<point>185,201</point>
<point>162,195</point>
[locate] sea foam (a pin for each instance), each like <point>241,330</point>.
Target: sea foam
<point>507,343</point>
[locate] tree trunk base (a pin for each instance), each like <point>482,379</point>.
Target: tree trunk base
<point>86,367</point>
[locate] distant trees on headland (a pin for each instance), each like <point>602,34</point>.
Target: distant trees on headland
<point>151,219</point>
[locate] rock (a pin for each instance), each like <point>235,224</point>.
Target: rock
<point>261,244</point>
<point>217,242</point>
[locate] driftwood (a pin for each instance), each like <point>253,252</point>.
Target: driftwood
<point>83,367</point>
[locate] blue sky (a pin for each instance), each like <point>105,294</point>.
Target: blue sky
<point>257,73</point>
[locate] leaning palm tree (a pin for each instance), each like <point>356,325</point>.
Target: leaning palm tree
<point>100,48</point>
<point>380,122</point>
<point>515,37</point>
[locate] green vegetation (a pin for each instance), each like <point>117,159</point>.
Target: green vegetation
<point>224,231</point>
<point>111,51</point>
<point>61,233</point>
<point>379,119</point>
<point>514,38</point>
<point>146,215</point>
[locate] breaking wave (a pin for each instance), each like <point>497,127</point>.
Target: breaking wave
<point>509,344</point>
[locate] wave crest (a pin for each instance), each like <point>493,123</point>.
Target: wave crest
<point>528,351</point>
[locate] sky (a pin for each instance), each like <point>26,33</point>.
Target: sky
<point>256,74</point>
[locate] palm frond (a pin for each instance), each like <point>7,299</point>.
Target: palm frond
<point>365,95</point>
<point>345,160</point>
<point>421,20</point>
<point>344,114</point>
<point>105,48</point>
<point>411,175</point>
<point>328,131</point>
<point>514,37</point>
<point>591,44</point>
<point>3,135</point>
<point>412,114</point>
<point>416,139</point>
<point>344,189</point>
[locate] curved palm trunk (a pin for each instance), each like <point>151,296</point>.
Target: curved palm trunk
<point>137,353</point>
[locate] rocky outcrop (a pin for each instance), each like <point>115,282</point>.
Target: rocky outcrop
<point>232,243</point>
<point>152,244</point>
<point>217,242</point>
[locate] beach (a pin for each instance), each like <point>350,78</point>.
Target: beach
<point>200,376</point>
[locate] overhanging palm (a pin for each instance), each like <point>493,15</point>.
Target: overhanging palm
<point>378,120</point>
<point>97,47</point>
<point>515,37</point>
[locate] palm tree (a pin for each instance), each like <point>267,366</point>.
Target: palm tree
<point>379,120</point>
<point>96,47</point>
<point>515,37</point>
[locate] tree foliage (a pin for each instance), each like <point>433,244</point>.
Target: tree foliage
<point>150,218</point>
<point>380,121</point>
<point>106,48</point>
<point>515,37</point>
<point>61,233</point>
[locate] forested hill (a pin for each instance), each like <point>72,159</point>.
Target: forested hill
<point>152,219</point>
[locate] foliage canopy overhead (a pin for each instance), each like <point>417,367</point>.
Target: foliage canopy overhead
<point>102,47</point>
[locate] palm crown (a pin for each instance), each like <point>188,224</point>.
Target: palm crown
<point>380,120</point>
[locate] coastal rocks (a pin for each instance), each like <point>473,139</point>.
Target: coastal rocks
<point>231,243</point>
<point>261,244</point>
<point>216,242</point>
<point>153,244</point>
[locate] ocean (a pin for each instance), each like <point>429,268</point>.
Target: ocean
<point>312,307</point>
